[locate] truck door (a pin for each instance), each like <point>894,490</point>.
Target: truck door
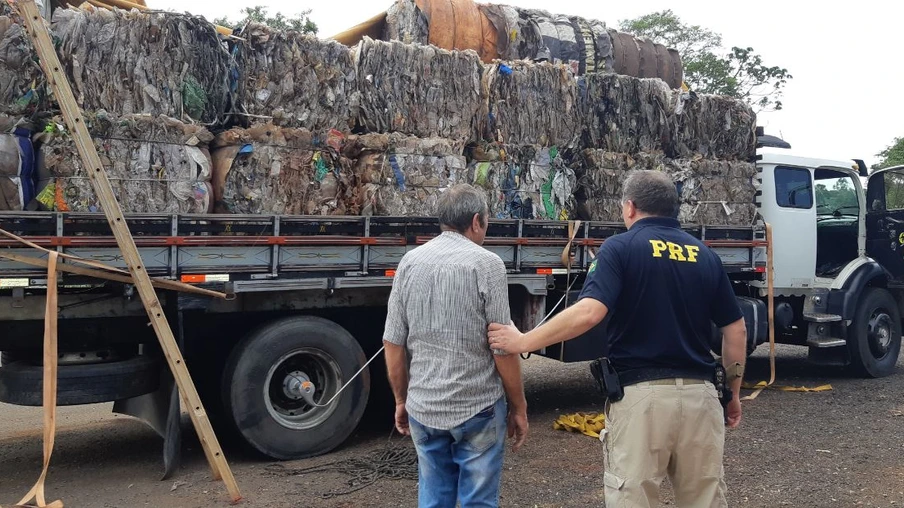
<point>885,220</point>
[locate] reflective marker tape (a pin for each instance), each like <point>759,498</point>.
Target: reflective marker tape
<point>13,283</point>
<point>200,279</point>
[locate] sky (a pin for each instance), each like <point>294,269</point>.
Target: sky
<point>846,98</point>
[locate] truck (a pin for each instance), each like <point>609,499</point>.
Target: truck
<point>306,299</point>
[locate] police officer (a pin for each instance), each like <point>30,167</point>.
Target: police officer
<point>662,289</point>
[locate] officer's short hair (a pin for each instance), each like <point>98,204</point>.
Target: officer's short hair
<point>652,192</point>
<point>458,204</point>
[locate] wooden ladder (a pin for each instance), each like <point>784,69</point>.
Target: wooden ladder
<point>62,91</point>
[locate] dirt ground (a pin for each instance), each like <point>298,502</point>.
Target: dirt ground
<point>843,447</point>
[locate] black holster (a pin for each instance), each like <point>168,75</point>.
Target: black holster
<point>722,388</point>
<point>607,379</point>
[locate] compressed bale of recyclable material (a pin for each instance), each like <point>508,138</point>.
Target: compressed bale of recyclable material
<point>401,175</point>
<point>155,165</point>
<point>531,183</point>
<point>296,80</point>
<point>583,44</point>
<point>406,22</point>
<point>140,62</point>
<point>631,115</point>
<point>418,90</point>
<point>531,104</point>
<point>21,79</point>
<point>713,126</point>
<point>624,114</point>
<point>560,41</point>
<point>17,165</point>
<point>716,192</point>
<point>519,38</point>
<point>272,170</point>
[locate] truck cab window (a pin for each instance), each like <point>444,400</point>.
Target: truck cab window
<point>894,190</point>
<point>793,188</point>
<point>837,221</point>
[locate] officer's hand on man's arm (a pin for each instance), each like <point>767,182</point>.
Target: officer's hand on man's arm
<point>568,324</point>
<point>506,338</point>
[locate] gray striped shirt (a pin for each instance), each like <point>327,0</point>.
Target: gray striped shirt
<point>444,296</point>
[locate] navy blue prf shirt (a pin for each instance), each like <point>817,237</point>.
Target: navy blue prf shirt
<point>663,288</point>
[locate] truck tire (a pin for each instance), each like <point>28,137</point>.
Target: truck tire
<point>265,408</point>
<point>22,383</point>
<point>874,335</point>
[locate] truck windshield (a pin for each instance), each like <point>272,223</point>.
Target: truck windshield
<point>836,196</point>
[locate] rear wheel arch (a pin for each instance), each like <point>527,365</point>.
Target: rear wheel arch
<point>844,301</point>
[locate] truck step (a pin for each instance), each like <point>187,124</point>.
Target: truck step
<point>824,342</point>
<point>817,317</point>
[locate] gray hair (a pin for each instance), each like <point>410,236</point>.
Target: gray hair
<point>652,192</point>
<point>458,204</point>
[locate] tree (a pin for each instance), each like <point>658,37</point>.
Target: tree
<point>708,68</point>
<point>893,155</point>
<point>299,23</point>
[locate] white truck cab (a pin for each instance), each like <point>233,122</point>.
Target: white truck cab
<point>838,254</point>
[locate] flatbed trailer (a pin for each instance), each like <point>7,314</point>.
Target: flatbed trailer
<point>306,298</point>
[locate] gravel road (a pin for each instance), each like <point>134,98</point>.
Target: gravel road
<point>843,447</point>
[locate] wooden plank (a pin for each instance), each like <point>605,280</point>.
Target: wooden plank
<point>100,274</point>
<point>158,283</point>
<point>62,91</point>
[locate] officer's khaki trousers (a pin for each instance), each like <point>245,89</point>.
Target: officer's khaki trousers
<point>671,428</point>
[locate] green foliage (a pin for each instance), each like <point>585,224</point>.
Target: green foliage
<point>836,195</point>
<point>299,23</point>
<point>708,69</point>
<point>893,155</point>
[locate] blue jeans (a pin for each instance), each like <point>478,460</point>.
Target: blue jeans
<point>461,464</point>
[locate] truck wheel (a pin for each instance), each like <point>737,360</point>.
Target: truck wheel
<point>262,393</point>
<point>22,383</point>
<point>874,336</point>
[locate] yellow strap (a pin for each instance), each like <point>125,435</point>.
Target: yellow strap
<point>770,280</point>
<point>769,385</point>
<point>50,383</point>
<point>573,228</point>
<point>763,386</point>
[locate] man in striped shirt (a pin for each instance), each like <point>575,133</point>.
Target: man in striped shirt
<point>450,388</point>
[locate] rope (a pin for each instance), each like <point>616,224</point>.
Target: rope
<point>393,462</point>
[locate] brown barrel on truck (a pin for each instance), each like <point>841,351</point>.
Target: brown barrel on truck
<point>460,25</point>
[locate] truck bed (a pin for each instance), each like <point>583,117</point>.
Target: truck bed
<point>240,254</point>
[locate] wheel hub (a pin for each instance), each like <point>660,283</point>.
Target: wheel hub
<point>879,332</point>
<point>293,385</point>
<point>296,383</point>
